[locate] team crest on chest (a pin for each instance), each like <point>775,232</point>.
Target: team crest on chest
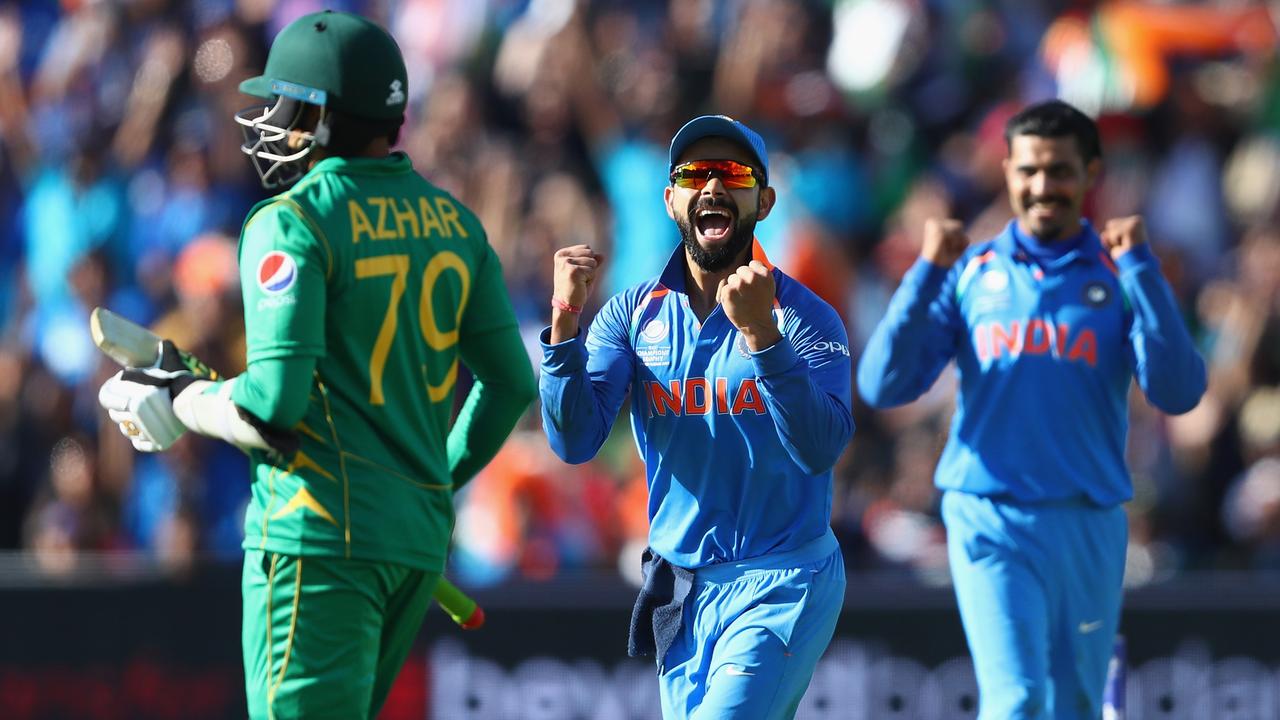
<point>1096,294</point>
<point>654,330</point>
<point>651,343</point>
<point>994,295</point>
<point>995,280</point>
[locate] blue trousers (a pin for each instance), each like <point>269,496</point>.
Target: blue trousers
<point>1039,590</point>
<point>752,634</point>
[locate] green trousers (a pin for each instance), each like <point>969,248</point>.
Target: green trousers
<point>325,637</point>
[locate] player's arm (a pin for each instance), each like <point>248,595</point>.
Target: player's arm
<point>805,380</point>
<point>919,333</point>
<point>493,351</point>
<point>582,384</point>
<point>284,334</point>
<point>1165,362</point>
<point>805,387</point>
<point>257,409</point>
<point>254,410</point>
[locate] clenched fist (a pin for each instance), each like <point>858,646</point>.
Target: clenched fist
<point>746,297</point>
<point>575,268</point>
<point>1122,235</point>
<point>944,242</point>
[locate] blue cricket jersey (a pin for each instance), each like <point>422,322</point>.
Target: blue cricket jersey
<point>1045,352</point>
<point>737,446</point>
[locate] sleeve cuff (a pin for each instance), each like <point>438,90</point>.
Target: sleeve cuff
<point>1139,255</point>
<point>775,359</point>
<point>565,358</point>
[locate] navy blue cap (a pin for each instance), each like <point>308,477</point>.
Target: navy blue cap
<point>719,126</point>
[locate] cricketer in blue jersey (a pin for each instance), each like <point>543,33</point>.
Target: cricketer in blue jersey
<point>740,385</point>
<point>1047,324</point>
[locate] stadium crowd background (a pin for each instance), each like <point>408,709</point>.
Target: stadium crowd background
<point>121,184</point>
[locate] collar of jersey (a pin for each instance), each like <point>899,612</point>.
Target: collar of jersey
<point>1089,250</point>
<point>672,277</point>
<point>394,164</point>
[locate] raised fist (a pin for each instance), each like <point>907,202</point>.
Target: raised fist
<point>575,269</point>
<point>944,242</point>
<point>746,297</point>
<point>1122,235</point>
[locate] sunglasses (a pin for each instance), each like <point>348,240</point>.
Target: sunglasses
<point>695,175</point>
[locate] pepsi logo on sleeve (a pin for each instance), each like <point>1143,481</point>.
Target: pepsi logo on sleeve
<point>277,272</point>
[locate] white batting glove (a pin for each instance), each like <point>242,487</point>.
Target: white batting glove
<point>143,412</point>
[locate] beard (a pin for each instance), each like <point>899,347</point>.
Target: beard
<point>1048,229</point>
<point>721,258</point>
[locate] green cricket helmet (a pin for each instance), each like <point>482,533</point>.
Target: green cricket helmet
<point>334,60</point>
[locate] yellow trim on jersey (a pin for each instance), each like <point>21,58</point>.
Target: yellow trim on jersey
<point>271,499</point>
<point>389,471</point>
<point>306,219</point>
<point>288,644</point>
<point>315,228</point>
<point>342,463</point>
<point>302,460</point>
<point>303,428</point>
<point>271,581</point>
<point>303,499</point>
<point>305,181</point>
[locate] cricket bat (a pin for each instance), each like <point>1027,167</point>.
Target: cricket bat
<point>134,346</point>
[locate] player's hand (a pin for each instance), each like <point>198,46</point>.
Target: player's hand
<point>174,371</point>
<point>746,297</point>
<point>143,411</point>
<point>1122,235</point>
<point>575,269</point>
<point>944,242</point>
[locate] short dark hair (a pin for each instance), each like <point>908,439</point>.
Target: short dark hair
<point>1055,118</point>
<point>350,134</point>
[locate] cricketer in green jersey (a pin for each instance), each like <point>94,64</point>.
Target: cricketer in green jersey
<point>364,288</point>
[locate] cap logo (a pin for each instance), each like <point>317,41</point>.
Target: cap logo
<point>397,93</point>
<point>298,92</point>
<point>276,272</point>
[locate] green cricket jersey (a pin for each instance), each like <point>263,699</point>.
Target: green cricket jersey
<point>388,282</point>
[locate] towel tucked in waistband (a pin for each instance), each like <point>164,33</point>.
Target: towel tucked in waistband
<point>657,617</point>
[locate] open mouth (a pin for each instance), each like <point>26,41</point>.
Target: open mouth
<point>713,224</point>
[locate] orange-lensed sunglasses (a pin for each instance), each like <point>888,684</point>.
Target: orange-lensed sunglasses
<point>695,175</point>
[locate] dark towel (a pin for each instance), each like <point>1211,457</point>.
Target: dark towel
<point>659,610</point>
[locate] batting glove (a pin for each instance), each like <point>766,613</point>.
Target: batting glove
<point>143,411</point>
<point>140,400</point>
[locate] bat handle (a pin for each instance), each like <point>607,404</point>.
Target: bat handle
<point>463,610</point>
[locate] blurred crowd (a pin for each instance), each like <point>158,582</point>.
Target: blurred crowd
<point>121,184</point>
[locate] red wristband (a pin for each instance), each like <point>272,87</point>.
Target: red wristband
<point>559,304</point>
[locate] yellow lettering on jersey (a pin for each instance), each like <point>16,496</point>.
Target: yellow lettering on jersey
<point>303,499</point>
<point>360,224</point>
<point>384,228</point>
<point>407,217</point>
<point>430,223</point>
<point>398,266</point>
<point>449,215</point>
<point>431,332</point>
<point>441,391</point>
